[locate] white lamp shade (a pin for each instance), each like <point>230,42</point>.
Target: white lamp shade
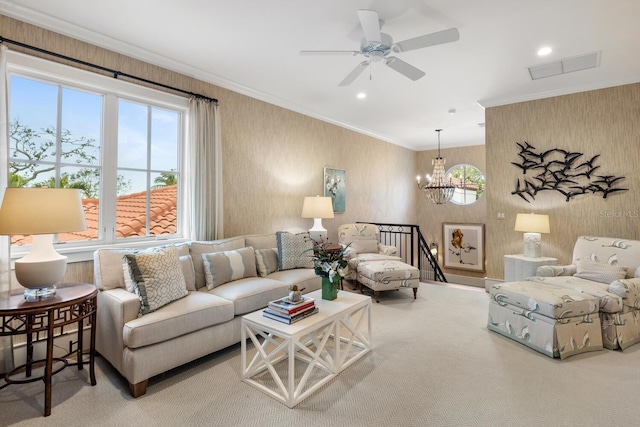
<point>532,223</point>
<point>317,207</point>
<point>29,211</point>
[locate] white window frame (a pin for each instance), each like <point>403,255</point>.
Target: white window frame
<point>112,89</point>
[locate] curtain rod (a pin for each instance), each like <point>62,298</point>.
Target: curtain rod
<point>114,73</point>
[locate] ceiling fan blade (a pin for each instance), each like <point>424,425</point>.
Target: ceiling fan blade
<point>403,68</point>
<point>354,73</point>
<point>440,37</point>
<point>370,25</point>
<point>330,52</point>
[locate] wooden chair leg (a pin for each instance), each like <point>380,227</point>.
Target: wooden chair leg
<point>376,295</point>
<point>415,293</point>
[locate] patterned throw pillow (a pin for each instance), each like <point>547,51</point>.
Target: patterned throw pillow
<point>223,267</point>
<point>599,272</point>
<point>266,261</point>
<point>156,277</point>
<point>294,250</point>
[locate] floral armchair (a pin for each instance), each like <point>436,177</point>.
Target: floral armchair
<point>365,246</point>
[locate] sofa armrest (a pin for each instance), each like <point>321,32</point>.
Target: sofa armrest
<point>556,270</point>
<point>387,249</point>
<point>115,308</point>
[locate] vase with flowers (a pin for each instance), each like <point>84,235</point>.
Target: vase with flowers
<point>329,263</point>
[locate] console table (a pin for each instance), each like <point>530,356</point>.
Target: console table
<point>73,303</point>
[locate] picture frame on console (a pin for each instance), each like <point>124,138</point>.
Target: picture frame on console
<point>335,186</point>
<point>463,246</point>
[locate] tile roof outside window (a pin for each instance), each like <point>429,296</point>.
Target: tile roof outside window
<point>131,216</point>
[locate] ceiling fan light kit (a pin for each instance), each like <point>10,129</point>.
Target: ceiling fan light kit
<point>376,46</point>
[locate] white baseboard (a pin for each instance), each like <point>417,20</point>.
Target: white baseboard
<point>466,280</point>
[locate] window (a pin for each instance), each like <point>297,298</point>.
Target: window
<point>117,142</point>
<point>469,182</point>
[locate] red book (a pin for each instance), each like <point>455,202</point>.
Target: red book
<point>291,309</point>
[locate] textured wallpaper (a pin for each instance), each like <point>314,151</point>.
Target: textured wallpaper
<point>603,122</point>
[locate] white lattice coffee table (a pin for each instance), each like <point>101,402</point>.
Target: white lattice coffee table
<point>290,362</point>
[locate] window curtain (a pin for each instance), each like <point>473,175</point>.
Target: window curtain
<point>6,343</point>
<point>203,195</point>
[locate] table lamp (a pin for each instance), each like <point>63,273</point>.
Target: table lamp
<point>532,225</point>
<point>41,212</point>
<point>317,208</point>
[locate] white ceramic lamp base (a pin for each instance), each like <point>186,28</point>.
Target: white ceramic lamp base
<point>318,233</point>
<point>40,269</point>
<point>532,245</point>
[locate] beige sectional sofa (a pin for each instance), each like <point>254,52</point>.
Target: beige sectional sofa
<point>203,319</point>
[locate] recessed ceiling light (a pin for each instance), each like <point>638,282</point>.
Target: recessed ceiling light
<point>544,51</point>
<point>361,95</point>
<point>452,111</point>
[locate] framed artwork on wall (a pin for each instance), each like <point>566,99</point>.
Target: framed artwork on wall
<point>463,246</point>
<point>335,186</point>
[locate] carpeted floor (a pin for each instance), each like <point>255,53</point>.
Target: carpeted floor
<point>434,363</point>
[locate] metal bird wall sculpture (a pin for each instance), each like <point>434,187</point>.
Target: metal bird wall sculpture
<point>562,171</point>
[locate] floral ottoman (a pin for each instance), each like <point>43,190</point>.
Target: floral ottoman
<point>554,321</point>
<point>387,275</point>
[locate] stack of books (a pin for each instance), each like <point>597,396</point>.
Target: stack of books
<point>286,311</point>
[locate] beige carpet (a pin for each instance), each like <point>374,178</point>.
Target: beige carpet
<point>434,363</point>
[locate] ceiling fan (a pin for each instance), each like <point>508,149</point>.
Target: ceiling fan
<point>376,46</point>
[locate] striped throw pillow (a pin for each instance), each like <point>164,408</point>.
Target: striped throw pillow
<point>223,267</point>
<point>266,261</point>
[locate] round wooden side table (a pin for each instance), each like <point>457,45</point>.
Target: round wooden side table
<point>73,303</point>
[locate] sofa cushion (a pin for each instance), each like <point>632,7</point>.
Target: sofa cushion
<point>226,266</point>
<point>157,277</point>
<point>251,294</point>
<point>609,302</point>
<point>294,250</point>
<point>261,241</point>
<point>545,299</point>
<point>196,311</point>
<point>599,272</point>
<point>298,276</point>
<point>198,248</point>
<point>107,261</point>
<point>266,261</point>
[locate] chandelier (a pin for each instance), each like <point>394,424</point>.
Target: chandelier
<point>437,189</point>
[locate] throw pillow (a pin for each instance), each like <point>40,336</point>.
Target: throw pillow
<point>266,261</point>
<point>555,270</point>
<point>223,267</point>
<point>188,271</point>
<point>294,250</point>
<point>366,246</point>
<point>157,277</point>
<point>598,272</point>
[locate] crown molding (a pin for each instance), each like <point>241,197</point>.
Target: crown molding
<point>506,100</point>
